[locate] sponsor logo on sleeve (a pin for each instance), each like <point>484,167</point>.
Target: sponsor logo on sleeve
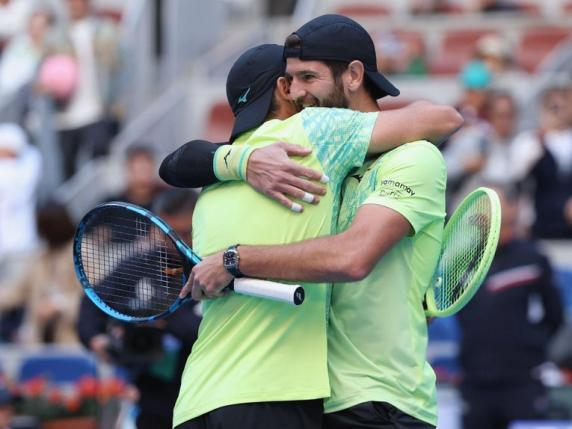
<point>394,189</point>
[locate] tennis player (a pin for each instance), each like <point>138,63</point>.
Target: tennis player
<point>377,333</point>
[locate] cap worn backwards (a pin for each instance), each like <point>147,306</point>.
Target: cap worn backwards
<point>250,86</point>
<point>339,38</point>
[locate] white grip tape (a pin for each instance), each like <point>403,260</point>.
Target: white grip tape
<point>292,294</point>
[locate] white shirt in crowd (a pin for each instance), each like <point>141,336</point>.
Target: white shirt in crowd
<point>18,181</point>
<point>86,105</point>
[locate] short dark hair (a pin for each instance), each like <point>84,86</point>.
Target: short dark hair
<point>175,201</point>
<point>140,149</point>
<point>55,224</point>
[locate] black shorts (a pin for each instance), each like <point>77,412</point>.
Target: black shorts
<point>373,415</point>
<point>262,415</point>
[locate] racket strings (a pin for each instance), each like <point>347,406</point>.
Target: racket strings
<point>131,264</point>
<point>465,247</point>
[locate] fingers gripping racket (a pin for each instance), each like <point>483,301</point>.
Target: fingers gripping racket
<point>470,240</point>
<point>133,266</point>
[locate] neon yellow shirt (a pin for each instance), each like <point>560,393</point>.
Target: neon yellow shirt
<point>377,334</point>
<point>251,349</point>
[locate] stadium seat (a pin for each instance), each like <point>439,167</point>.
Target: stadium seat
<point>530,8</point>
<point>363,10</point>
<point>536,43</point>
<point>457,48</point>
<point>112,14</point>
<point>57,368</point>
<point>219,122</point>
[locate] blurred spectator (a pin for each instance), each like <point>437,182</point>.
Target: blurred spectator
<point>23,53</point>
<point>20,167</point>
<point>142,184</point>
<point>482,152</point>
<point>400,55</point>
<point>544,157</point>
<point>154,355</point>
<point>13,16</point>
<point>495,52</point>
<point>87,121</point>
<point>497,6</point>
<point>505,331</point>
<point>48,290</point>
<point>6,408</point>
<point>476,80</point>
<point>422,7</point>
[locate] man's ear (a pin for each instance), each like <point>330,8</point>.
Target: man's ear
<point>283,88</point>
<point>354,75</point>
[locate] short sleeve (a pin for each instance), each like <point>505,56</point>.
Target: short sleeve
<point>411,180</point>
<point>340,137</point>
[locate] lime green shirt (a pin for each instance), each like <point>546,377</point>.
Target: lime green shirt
<point>377,335</point>
<point>256,350</point>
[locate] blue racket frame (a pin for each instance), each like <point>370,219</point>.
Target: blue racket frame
<point>82,277</point>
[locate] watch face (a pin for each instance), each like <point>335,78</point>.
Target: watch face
<point>230,259</point>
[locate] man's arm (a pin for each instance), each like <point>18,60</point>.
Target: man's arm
<point>420,120</point>
<point>270,172</point>
<point>193,165</point>
<point>346,257</point>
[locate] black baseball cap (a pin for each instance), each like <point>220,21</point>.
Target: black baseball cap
<point>250,85</point>
<point>339,38</point>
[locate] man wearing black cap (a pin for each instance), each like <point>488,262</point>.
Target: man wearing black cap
<point>378,372</point>
<point>257,361</point>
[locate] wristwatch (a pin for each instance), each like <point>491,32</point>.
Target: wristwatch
<point>231,259</point>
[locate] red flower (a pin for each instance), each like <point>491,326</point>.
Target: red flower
<point>34,387</point>
<point>88,387</point>
<point>72,404</point>
<point>55,396</point>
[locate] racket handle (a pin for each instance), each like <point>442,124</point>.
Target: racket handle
<point>292,294</point>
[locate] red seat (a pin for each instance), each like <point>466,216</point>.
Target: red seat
<point>567,7</point>
<point>219,122</point>
<point>113,14</point>
<point>363,10</point>
<point>529,8</point>
<point>457,48</point>
<point>536,43</point>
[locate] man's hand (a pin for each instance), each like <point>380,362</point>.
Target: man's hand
<point>99,344</point>
<point>207,279</point>
<point>271,172</point>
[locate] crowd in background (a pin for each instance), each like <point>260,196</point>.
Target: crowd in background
<point>71,56</point>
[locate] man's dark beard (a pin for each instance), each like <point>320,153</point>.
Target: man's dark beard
<point>336,99</point>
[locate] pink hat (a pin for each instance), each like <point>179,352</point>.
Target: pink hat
<point>58,75</point>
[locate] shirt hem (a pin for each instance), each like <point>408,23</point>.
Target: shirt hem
<point>250,398</point>
<point>351,401</point>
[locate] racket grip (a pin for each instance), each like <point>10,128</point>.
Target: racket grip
<point>292,294</point>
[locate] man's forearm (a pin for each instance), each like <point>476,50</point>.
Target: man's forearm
<point>346,257</point>
<point>318,260</point>
<point>190,166</point>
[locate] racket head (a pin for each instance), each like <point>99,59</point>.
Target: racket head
<point>470,240</point>
<point>130,263</point>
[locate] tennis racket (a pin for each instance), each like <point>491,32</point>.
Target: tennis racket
<point>132,265</point>
<point>470,240</point>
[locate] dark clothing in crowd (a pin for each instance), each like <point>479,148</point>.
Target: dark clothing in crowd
<point>553,189</point>
<point>153,357</point>
<point>505,332</point>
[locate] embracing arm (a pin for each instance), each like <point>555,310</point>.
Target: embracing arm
<point>346,257</point>
<point>191,165</point>
<point>420,120</point>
